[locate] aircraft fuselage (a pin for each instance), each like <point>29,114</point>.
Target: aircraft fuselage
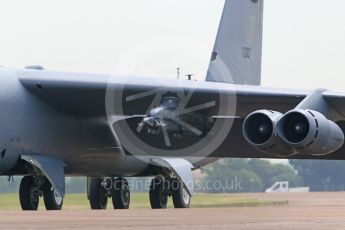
<point>31,126</point>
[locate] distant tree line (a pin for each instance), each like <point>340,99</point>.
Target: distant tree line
<point>321,175</point>
<point>252,175</point>
<point>257,175</point>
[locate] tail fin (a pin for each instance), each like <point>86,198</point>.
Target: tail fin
<point>238,45</point>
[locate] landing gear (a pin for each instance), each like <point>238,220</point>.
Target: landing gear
<point>162,188</point>
<point>100,189</point>
<point>29,193</point>
<point>97,194</point>
<point>158,193</point>
<point>180,196</point>
<point>52,198</point>
<point>32,188</point>
<point>121,194</point>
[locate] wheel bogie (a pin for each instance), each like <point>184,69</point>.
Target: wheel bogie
<point>180,196</point>
<point>162,188</point>
<point>98,195</point>
<point>29,194</point>
<point>52,198</point>
<point>158,193</point>
<point>32,188</point>
<point>121,194</point>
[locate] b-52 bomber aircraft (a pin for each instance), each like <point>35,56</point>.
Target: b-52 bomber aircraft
<point>106,128</point>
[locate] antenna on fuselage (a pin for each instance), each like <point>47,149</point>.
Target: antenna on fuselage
<point>189,76</point>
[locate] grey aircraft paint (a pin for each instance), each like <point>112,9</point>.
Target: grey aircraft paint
<point>62,119</point>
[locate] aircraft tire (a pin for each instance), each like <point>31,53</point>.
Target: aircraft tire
<point>158,193</point>
<point>121,195</point>
<point>28,194</point>
<point>52,199</point>
<point>98,196</point>
<point>180,196</point>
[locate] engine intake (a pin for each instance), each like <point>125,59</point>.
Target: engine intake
<point>259,131</point>
<point>310,132</point>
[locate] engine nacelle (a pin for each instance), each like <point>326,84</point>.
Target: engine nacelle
<point>310,132</point>
<point>259,131</point>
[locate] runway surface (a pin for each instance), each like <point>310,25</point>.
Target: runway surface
<point>305,211</point>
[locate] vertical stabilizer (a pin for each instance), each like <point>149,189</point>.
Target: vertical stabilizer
<point>237,53</point>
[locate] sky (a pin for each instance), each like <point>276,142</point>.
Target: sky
<point>303,47</point>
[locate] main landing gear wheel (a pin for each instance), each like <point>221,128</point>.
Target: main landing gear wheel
<point>180,196</point>
<point>29,193</point>
<point>52,198</point>
<point>98,195</point>
<point>121,194</point>
<point>158,193</point>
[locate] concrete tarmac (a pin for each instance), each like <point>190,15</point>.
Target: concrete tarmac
<point>305,211</point>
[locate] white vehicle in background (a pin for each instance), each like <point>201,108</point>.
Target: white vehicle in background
<point>283,187</point>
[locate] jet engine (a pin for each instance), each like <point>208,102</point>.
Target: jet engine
<point>259,131</point>
<point>310,132</point>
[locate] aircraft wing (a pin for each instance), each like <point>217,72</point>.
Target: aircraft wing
<point>86,95</point>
